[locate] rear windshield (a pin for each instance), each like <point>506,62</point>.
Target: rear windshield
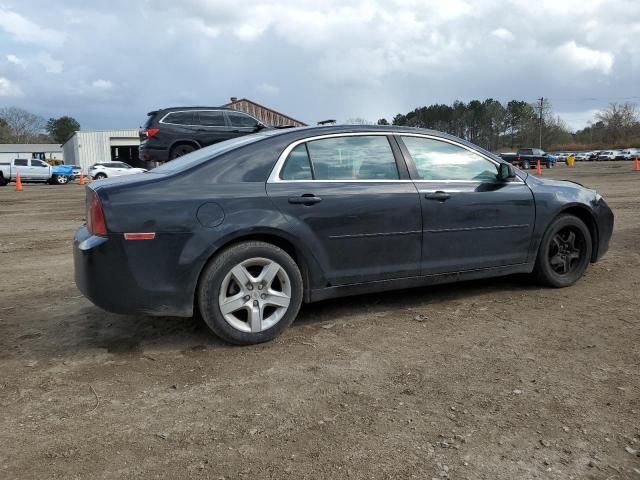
<point>207,153</point>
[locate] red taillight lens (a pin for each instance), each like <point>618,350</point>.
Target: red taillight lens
<point>152,132</point>
<point>95,217</point>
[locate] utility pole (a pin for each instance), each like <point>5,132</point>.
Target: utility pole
<point>541,99</point>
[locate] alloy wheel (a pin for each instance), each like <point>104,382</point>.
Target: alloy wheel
<point>255,295</point>
<point>566,250</point>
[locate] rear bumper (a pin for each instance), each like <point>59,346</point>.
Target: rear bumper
<point>605,221</point>
<point>128,277</point>
<point>149,153</point>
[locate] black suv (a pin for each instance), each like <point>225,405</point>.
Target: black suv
<point>172,132</point>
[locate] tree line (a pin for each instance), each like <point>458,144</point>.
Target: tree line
<point>20,126</point>
<point>515,124</point>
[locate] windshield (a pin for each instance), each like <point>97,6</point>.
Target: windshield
<point>207,153</point>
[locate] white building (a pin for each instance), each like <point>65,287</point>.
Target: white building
<point>44,151</point>
<point>86,147</point>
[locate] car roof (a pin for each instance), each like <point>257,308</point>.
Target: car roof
<point>181,109</point>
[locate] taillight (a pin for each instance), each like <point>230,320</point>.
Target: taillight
<point>151,132</point>
<point>95,217</point>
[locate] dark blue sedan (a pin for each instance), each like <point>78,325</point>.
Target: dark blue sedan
<point>246,230</point>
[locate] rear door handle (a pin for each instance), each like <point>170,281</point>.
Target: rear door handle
<point>439,195</point>
<point>306,199</point>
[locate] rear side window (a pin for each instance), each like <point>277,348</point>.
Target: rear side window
<point>211,118</point>
<point>298,166</point>
<point>240,120</point>
<point>20,163</point>
<point>353,158</point>
<point>180,118</point>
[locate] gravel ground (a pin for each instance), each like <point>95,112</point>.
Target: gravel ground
<point>497,379</point>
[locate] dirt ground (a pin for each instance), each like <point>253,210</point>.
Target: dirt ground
<point>500,380</point>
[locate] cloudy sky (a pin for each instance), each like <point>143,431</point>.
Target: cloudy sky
<point>108,63</point>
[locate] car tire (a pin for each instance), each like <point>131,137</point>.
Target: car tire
<point>99,176</point>
<point>60,180</point>
<point>3,181</point>
<point>526,165</point>
<point>181,149</point>
<point>250,293</point>
<point>564,253</point>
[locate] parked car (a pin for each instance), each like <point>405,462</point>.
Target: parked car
<point>76,171</point>
<point>593,156</point>
<point>627,154</point>
<point>582,157</point>
<point>246,230</point>
<point>172,132</point>
<point>112,169</point>
<point>562,156</point>
<point>607,155</point>
<point>527,158</point>
<point>33,170</point>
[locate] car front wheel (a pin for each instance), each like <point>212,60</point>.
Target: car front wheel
<point>564,253</point>
<point>99,176</point>
<point>250,293</point>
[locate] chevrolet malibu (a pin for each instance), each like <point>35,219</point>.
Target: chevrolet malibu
<point>244,231</point>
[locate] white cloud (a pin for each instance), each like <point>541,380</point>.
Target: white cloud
<point>24,30</point>
<point>586,59</point>
<point>101,84</point>
<point>9,89</point>
<point>503,34</point>
<point>268,89</point>
<point>16,60</point>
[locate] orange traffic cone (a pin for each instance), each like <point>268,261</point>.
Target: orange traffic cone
<point>538,169</point>
<point>636,165</point>
<point>18,183</point>
<point>81,178</point>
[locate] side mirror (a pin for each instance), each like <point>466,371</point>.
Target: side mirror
<point>505,172</point>
<point>259,127</point>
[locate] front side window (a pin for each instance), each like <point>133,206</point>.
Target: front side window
<point>240,120</point>
<point>212,118</point>
<point>38,163</point>
<point>179,118</point>
<point>353,158</point>
<point>438,160</point>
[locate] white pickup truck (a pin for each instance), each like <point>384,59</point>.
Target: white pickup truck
<point>31,170</point>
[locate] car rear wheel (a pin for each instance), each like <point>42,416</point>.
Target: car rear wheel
<point>250,293</point>
<point>180,150</point>
<point>564,253</point>
<point>526,165</point>
<point>3,181</point>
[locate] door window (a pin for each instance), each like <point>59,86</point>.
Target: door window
<point>241,120</point>
<point>212,118</point>
<point>438,160</point>
<point>38,163</point>
<point>353,158</point>
<point>20,163</point>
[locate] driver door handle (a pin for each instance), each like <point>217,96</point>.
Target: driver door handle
<point>306,199</point>
<point>439,196</point>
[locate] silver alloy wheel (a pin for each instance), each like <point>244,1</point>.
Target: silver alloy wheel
<point>255,295</point>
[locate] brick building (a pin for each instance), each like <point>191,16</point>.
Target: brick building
<point>269,117</point>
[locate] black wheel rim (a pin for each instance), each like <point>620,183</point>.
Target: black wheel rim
<point>566,250</point>
<point>183,151</point>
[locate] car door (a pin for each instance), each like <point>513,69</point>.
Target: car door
<point>212,127</point>
<point>39,170</point>
<point>352,204</point>
<point>21,165</point>
<point>470,219</point>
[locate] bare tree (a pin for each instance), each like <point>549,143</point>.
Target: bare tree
<point>619,120</point>
<point>23,126</point>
